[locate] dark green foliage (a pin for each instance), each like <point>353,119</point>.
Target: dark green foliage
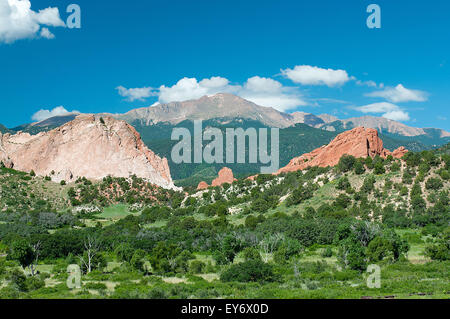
<point>137,260</point>
<point>252,221</point>
<point>18,280</point>
<point>343,183</point>
<point>327,252</point>
<point>359,167</point>
<point>352,254</point>
<point>229,248</point>
<point>22,252</point>
<point>166,258</point>
<point>250,270</point>
<point>299,195</point>
<point>368,161</point>
<point>264,203</point>
<point>346,163</point>
<point>197,267</point>
<point>440,250</point>
<point>386,246</point>
<point>395,167</point>
<point>124,252</point>
<point>368,185</point>
<point>379,168</point>
<point>251,253</point>
<point>306,231</point>
<point>433,183</point>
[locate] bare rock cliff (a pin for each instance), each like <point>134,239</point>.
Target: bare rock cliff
<point>88,146</point>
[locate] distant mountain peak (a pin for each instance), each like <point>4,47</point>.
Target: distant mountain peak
<point>221,105</point>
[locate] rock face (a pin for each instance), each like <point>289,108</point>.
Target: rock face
<point>225,176</point>
<point>202,185</point>
<point>89,146</point>
<point>359,142</point>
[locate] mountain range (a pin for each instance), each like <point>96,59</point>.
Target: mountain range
<point>300,132</point>
<point>228,106</point>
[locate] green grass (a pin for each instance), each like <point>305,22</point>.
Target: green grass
<point>116,212</point>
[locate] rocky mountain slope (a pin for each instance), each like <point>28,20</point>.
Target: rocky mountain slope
<point>224,105</point>
<point>89,146</point>
<point>228,106</point>
<point>45,125</point>
<point>3,129</point>
<point>221,105</point>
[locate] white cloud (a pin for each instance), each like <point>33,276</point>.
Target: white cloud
<point>133,94</point>
<point>378,107</point>
<point>259,90</point>
<point>45,33</point>
<point>370,83</point>
<point>18,21</point>
<point>400,94</point>
<point>188,89</point>
<point>215,82</point>
<point>44,114</point>
<point>268,92</point>
<point>397,116</point>
<point>312,75</point>
<point>389,110</point>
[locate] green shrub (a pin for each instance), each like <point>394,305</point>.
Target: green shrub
<point>248,271</point>
<point>327,252</point>
<point>197,267</point>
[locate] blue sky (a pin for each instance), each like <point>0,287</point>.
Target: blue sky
<point>313,56</point>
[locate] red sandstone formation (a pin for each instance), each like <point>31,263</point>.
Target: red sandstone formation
<point>359,142</point>
<point>88,146</point>
<point>225,176</point>
<point>202,185</point>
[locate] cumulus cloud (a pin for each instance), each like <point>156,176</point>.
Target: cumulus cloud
<point>44,114</point>
<point>190,88</point>
<point>134,94</point>
<point>397,116</point>
<point>389,110</point>
<point>312,75</point>
<point>400,94</point>
<point>45,33</point>
<point>268,92</point>
<point>18,21</point>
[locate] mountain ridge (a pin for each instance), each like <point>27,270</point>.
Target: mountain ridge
<point>225,105</point>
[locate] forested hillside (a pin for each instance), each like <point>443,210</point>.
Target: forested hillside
<point>305,234</point>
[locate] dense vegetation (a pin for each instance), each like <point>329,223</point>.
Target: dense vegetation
<point>294,141</point>
<point>306,234</point>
